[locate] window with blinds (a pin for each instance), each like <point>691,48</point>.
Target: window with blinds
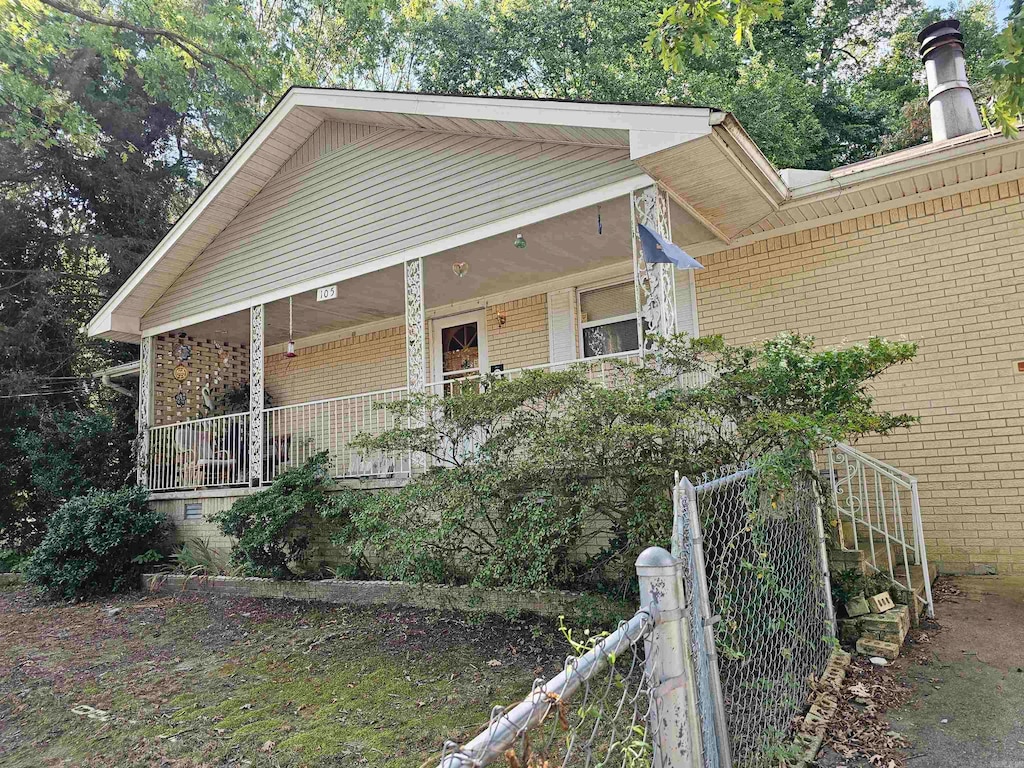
<point>608,320</point>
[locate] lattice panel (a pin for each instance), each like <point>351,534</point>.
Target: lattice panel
<point>215,365</point>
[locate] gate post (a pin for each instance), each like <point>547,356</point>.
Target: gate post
<point>672,718</point>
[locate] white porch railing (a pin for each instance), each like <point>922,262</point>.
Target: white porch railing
<point>881,506</point>
<point>199,454</point>
<point>292,434</point>
<point>214,452</point>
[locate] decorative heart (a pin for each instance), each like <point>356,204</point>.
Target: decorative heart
<point>460,268</point>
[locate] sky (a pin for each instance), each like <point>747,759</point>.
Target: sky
<point>1002,8</point>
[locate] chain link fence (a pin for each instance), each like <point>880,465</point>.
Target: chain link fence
<point>594,713</point>
<point>735,626</point>
<point>755,570</point>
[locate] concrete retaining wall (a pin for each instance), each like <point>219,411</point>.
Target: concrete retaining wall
<point>464,599</point>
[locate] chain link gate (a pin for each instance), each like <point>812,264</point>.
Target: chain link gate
<point>756,578</point>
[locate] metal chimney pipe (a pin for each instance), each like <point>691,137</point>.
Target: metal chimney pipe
<point>950,98</point>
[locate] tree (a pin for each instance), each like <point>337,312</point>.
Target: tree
<point>850,30</point>
<point>108,127</point>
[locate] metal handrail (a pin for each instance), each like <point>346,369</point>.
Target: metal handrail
<point>858,509</point>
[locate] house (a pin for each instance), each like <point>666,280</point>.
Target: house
<point>361,245</point>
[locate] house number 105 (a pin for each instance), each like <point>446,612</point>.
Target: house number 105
<point>329,292</point>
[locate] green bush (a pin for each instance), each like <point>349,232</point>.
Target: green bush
<point>572,480</point>
<point>95,543</point>
<point>11,560</point>
<point>273,528</point>
<point>59,455</point>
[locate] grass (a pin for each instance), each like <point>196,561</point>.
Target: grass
<point>192,681</point>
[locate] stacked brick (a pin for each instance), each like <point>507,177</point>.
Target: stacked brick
<point>521,338</point>
<point>876,625</point>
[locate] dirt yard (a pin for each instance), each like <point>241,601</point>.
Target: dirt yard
<point>954,698</point>
<point>188,681</point>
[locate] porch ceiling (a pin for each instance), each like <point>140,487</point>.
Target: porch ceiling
<point>555,248</point>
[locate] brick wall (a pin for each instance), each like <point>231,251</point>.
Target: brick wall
<point>523,339</point>
<point>376,361</point>
<point>366,363</point>
<point>216,365</point>
<point>943,273</point>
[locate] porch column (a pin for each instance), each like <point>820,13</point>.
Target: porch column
<point>415,327</point>
<point>256,328</point>
<point>415,342</point>
<point>655,283</point>
<point>145,415</point>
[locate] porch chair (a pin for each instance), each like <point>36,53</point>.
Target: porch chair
<point>197,457</point>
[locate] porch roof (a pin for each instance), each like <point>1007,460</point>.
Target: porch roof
<point>277,146</point>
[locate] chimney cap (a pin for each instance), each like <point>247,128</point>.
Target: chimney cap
<point>940,33</point>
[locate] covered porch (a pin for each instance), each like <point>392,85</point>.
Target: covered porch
<point>237,399</point>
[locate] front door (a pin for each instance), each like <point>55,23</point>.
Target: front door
<point>459,348</point>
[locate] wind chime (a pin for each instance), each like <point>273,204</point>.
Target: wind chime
<point>291,339</point>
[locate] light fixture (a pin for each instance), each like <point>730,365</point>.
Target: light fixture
<point>460,268</point>
<point>502,318</point>
<point>291,341</point>
<point>520,241</point>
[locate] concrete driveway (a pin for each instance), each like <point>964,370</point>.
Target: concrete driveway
<point>967,704</point>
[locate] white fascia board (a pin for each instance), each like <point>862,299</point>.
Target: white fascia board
<point>549,211</point>
<point>626,117</point>
<point>643,143</point>
<point>101,322</point>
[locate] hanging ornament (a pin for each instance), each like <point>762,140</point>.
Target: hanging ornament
<point>291,341</point>
<point>180,372</point>
<point>520,241</point>
<point>600,229</point>
<point>184,352</point>
<point>179,399</point>
<point>460,268</point>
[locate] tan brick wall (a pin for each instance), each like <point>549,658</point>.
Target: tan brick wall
<point>523,339</point>
<point>945,274</point>
<point>214,364</point>
<point>366,363</point>
<point>376,361</point>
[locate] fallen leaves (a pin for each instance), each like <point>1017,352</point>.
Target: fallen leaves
<point>859,729</point>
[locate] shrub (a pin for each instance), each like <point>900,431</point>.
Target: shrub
<point>94,543</point>
<point>61,454</point>
<point>11,560</point>
<point>568,480</point>
<point>273,528</point>
<point>196,557</point>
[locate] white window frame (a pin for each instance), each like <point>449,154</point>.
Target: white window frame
<point>581,326</point>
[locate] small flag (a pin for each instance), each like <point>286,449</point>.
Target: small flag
<point>658,250</point>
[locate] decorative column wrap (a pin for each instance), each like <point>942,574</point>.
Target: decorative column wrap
<point>415,327</point>
<point>145,416</point>
<point>256,327</point>
<point>655,283</point>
